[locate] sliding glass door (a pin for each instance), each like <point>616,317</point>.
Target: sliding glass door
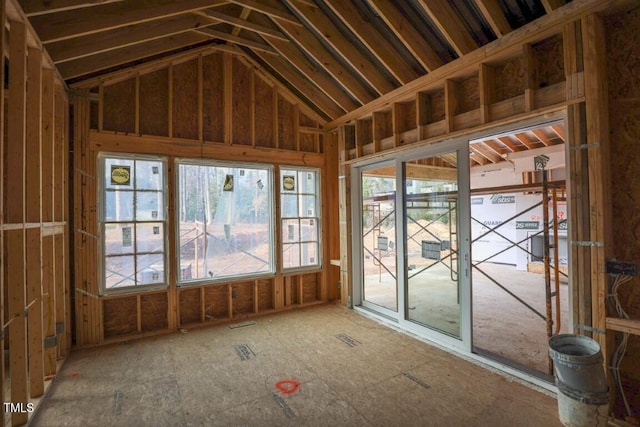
<point>378,248</point>
<point>431,203</point>
<point>412,251</point>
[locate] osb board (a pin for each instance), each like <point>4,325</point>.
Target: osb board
<point>406,119</point>
<point>548,61</point>
<point>241,104</point>
<point>623,73</point>
<point>364,133</point>
<point>310,287</point>
<point>508,79</point>
<point>154,103</point>
<point>120,316</point>
<point>624,115</point>
<point>308,142</point>
<point>286,125</point>
<point>436,106</point>
<point>307,121</point>
<point>93,115</point>
<point>216,302</point>
<point>213,97</point>
<point>119,107</point>
<point>468,95</point>
<point>185,100</point>
<point>242,296</point>
<point>623,51</point>
<point>154,311</point>
<point>189,305</point>
<point>383,125</point>
<point>265,294</point>
<point>264,114</point>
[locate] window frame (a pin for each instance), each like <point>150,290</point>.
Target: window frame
<point>318,217</point>
<point>270,169</point>
<point>102,186</point>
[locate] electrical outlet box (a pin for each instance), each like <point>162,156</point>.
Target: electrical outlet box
<point>626,268</point>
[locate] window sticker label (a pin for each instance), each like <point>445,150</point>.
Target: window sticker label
<point>120,175</point>
<point>126,237</point>
<point>289,182</point>
<point>156,230</point>
<point>228,183</point>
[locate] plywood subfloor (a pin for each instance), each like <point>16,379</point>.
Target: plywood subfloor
<point>351,371</point>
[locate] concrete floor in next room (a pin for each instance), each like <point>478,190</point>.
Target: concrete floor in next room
<point>351,371</point>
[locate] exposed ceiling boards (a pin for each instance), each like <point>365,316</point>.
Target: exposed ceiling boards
<point>348,52</point>
<point>501,148</point>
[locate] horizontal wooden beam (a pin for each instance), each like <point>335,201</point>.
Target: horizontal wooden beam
<point>242,23</point>
<point>115,142</point>
<point>272,11</point>
<point>76,23</point>
<point>210,32</point>
<point>41,7</point>
<point>93,44</point>
<point>112,58</point>
<point>629,326</point>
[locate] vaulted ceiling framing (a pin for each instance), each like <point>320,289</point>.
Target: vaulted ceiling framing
<point>336,56</point>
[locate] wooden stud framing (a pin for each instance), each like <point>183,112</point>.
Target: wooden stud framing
<point>58,216</point>
<point>137,106</point>
<point>227,74</point>
<point>530,83</point>
<point>33,214</point>
<point>485,78</point>
<point>49,319</point>
<point>597,118</point>
<point>15,214</point>
<point>344,201</point>
<point>3,143</point>
<point>450,102</point>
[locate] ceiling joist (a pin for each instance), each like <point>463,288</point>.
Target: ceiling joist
<point>78,22</point>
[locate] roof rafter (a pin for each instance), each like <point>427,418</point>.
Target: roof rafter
<point>320,79</point>
<point>377,44</point>
<point>41,7</point>
<point>492,12</point>
<point>551,5</point>
<point>427,57</point>
<point>78,22</point>
<point>92,44</point>
<point>242,23</point>
<point>326,104</point>
<point>113,58</point>
<point>450,25</point>
<point>271,11</point>
<point>221,35</point>
<point>312,46</point>
<point>320,22</point>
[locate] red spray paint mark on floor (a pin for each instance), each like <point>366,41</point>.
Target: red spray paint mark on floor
<point>287,386</point>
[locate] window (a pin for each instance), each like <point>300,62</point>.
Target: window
<point>225,220</point>
<point>299,197</point>
<point>132,221</point>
